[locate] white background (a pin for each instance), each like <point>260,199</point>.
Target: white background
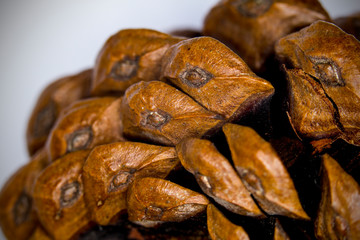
<point>42,40</point>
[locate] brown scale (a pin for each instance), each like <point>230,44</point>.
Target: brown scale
<point>84,125</point>
<point>216,176</point>
<point>18,218</point>
<point>339,210</point>
<point>152,201</point>
<point>252,27</point>
<point>263,172</point>
<point>310,112</point>
<point>59,197</point>
<point>53,99</point>
<point>111,168</point>
<point>220,228</point>
<point>330,66</point>
<point>215,77</point>
<point>157,112</point>
<point>129,56</point>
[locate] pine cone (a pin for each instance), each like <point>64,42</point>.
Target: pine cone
<point>176,138</point>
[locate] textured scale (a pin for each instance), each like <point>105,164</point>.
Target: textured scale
<point>157,112</point>
<point>263,173</point>
<point>53,99</point>
<point>110,169</point>
<point>18,218</point>
<point>162,201</point>
<point>339,211</point>
<point>127,57</point>
<point>252,27</point>
<point>311,113</point>
<point>220,228</point>
<point>59,197</point>
<point>84,125</point>
<point>218,80</point>
<point>336,70</point>
<point>216,176</point>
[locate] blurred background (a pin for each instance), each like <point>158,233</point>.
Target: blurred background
<point>43,40</point>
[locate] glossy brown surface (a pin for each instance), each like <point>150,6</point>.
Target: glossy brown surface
<point>157,112</point>
<point>59,197</point>
<point>311,113</point>
<point>152,201</point>
<point>110,169</point>
<point>262,172</point>
<point>219,80</point>
<point>339,211</point>
<point>216,176</point>
<point>101,186</point>
<point>129,56</point>
<point>220,228</point>
<point>84,125</point>
<point>18,218</point>
<point>330,64</point>
<point>251,28</point>
<point>53,99</point>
